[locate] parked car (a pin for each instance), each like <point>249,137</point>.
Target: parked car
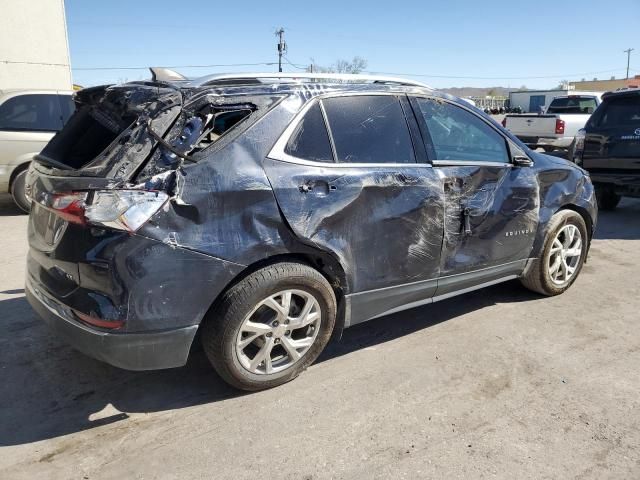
<point>28,120</point>
<point>558,126</point>
<point>609,147</point>
<point>267,217</point>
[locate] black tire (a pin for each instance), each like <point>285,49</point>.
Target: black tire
<point>571,152</point>
<point>608,200</point>
<point>18,191</point>
<point>222,324</point>
<point>536,277</point>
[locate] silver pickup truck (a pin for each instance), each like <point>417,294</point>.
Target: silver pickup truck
<point>558,126</point>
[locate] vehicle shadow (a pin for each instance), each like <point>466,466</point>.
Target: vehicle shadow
<point>623,223</point>
<point>49,389</point>
<point>8,208</point>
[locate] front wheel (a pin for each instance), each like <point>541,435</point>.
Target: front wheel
<point>270,326</point>
<point>562,257</point>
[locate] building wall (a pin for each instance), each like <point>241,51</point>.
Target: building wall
<point>521,99</point>
<point>34,52</point>
<point>606,85</point>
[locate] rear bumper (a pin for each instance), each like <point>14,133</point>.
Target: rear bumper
<point>130,351</point>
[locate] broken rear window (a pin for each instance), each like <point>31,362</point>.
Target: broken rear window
<point>216,123</point>
<point>86,135</point>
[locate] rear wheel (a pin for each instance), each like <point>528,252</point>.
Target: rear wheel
<point>18,191</point>
<point>563,254</point>
<point>270,326</point>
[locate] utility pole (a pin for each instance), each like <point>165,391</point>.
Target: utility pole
<point>628,52</point>
<point>282,47</point>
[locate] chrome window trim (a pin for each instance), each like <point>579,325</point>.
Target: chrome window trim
<point>470,163</point>
<point>277,152</point>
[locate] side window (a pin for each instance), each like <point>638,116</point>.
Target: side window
<point>369,129</point>
<point>459,135</point>
<point>310,140</point>
<point>36,112</point>
<point>67,106</point>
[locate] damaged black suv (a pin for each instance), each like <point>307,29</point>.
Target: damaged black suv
<point>266,213</point>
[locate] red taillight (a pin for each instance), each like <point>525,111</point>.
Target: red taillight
<point>504,122</point>
<point>98,322</point>
<point>69,206</point>
<point>559,126</point>
<point>120,209</point>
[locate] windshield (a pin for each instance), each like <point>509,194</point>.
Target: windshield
<point>573,105</point>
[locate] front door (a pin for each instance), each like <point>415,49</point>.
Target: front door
<point>491,206</point>
<point>360,190</point>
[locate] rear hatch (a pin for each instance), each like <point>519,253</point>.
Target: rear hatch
<point>612,142</point>
<point>116,163</point>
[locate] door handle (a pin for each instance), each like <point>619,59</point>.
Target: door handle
<point>466,220</point>
<point>322,187</point>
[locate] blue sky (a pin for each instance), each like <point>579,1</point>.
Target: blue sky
<point>451,43</point>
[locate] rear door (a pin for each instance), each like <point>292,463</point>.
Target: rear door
<point>351,177</point>
<point>612,143</point>
<point>491,206</point>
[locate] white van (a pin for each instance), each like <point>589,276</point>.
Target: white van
<point>28,120</point>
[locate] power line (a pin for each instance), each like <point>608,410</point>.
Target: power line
<point>429,75</point>
<point>426,75</point>
<point>303,67</point>
<point>213,65</point>
<point>298,66</point>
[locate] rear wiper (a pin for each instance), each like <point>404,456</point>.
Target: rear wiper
<point>50,162</point>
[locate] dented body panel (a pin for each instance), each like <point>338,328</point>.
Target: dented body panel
<point>387,236</point>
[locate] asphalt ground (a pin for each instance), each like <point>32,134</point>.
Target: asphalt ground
<point>499,383</point>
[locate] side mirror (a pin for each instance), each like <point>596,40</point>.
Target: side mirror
<point>522,161</point>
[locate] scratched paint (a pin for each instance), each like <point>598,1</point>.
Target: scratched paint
<point>232,206</point>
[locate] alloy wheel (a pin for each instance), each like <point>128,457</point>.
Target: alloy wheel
<point>278,331</point>
<point>565,254</point>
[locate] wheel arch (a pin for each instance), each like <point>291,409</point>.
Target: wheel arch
<point>323,262</point>
<point>583,213</point>
<point>14,173</point>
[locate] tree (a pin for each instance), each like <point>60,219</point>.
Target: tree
<point>563,85</point>
<point>357,65</point>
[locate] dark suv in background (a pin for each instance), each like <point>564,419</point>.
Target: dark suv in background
<point>609,147</point>
<point>269,212</point>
